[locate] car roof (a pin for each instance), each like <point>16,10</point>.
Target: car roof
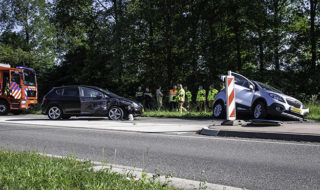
<point>76,86</point>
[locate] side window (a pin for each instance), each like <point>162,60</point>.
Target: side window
<point>70,92</point>
<point>59,91</point>
<point>90,93</point>
<point>239,80</point>
<point>245,84</point>
<point>15,77</point>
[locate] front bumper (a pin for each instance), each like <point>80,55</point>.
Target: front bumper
<point>135,111</point>
<point>287,111</point>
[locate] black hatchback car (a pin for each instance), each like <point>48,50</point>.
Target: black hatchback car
<point>66,101</point>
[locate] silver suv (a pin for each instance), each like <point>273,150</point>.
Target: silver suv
<point>260,100</point>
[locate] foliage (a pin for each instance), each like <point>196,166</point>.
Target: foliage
<point>314,111</point>
<point>176,114</point>
<point>25,170</point>
<point>121,44</point>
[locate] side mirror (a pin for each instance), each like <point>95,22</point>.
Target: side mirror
<point>251,87</point>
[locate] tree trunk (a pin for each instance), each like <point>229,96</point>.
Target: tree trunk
<point>238,48</point>
<point>261,55</point>
<point>276,42</point>
<point>168,36</point>
<point>313,7</point>
<point>117,8</point>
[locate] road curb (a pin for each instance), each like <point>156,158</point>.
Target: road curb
<point>260,135</point>
<point>186,184</point>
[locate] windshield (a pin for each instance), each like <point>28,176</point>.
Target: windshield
<point>112,95</point>
<point>29,78</point>
<point>267,87</point>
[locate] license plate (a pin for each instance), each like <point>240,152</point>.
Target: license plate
<point>32,102</point>
<point>296,110</point>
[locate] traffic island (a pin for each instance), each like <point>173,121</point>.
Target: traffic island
<point>295,131</point>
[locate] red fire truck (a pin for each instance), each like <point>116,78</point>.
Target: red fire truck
<point>18,89</point>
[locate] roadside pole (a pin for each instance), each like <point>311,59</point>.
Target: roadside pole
<point>230,97</point>
<point>230,100</point>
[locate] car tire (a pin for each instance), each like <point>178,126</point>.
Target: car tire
<point>4,108</point>
<point>219,110</point>
<point>115,113</point>
<point>259,110</point>
<point>55,113</point>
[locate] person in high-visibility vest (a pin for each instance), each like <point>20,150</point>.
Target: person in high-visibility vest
<point>139,95</point>
<point>181,98</point>
<point>173,98</point>
<point>147,98</point>
<point>188,98</point>
<point>201,99</point>
<point>211,95</point>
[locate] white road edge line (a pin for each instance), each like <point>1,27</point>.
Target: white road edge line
<point>138,173</point>
<point>176,135</point>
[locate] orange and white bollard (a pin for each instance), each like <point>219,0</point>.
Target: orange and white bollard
<point>230,97</point>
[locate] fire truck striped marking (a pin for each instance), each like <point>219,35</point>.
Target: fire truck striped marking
<point>15,90</point>
<point>26,93</point>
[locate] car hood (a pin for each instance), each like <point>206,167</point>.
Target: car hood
<point>125,100</point>
<point>284,96</point>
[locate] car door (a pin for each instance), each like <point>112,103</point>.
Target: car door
<point>93,102</point>
<point>243,92</point>
<point>70,100</point>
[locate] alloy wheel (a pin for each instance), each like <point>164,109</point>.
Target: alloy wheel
<point>3,108</point>
<point>217,110</point>
<point>115,113</point>
<point>54,113</point>
<point>257,111</point>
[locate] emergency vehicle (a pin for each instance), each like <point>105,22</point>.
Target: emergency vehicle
<point>18,89</point>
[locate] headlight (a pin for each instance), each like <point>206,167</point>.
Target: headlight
<point>276,97</point>
<point>23,102</point>
<point>135,105</point>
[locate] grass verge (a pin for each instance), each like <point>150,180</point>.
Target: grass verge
<point>314,111</point>
<point>25,170</point>
<point>175,114</point>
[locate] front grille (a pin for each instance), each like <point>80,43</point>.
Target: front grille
<point>294,103</point>
<point>31,93</point>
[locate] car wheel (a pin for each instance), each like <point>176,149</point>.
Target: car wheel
<point>54,113</point>
<point>259,110</point>
<point>219,110</point>
<point>4,108</point>
<point>115,113</point>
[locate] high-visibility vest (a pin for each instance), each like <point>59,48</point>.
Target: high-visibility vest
<point>201,96</point>
<point>189,96</point>
<point>148,94</point>
<point>211,94</point>
<point>181,95</point>
<point>139,94</point>
<point>172,95</point>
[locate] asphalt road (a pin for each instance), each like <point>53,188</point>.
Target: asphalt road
<point>234,162</point>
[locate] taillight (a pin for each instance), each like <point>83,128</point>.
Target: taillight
<point>43,99</point>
